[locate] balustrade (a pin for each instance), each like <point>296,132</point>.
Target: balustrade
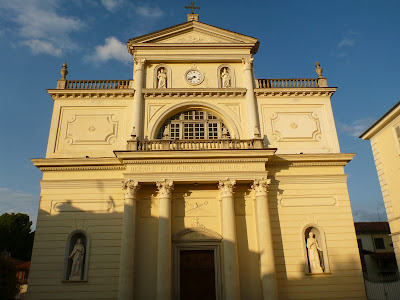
<point>287,83</point>
<point>173,145</point>
<point>97,84</point>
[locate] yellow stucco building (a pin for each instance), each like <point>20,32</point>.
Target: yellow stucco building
<point>384,135</point>
<point>194,180</point>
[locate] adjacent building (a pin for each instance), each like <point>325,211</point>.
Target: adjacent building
<point>384,135</point>
<point>194,180</point>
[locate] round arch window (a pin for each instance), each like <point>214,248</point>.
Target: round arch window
<point>193,125</point>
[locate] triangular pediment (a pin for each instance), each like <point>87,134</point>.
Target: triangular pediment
<point>193,32</point>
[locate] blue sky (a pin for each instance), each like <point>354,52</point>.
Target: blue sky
<point>356,42</point>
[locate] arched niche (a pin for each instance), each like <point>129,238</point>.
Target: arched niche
<point>71,253</point>
<point>167,70</point>
<point>319,235</point>
<point>193,105</point>
<point>231,72</point>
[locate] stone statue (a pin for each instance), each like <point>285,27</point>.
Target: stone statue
<point>162,79</point>
<point>77,255</point>
<point>313,254</point>
<point>225,78</point>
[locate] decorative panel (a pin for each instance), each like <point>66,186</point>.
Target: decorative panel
<point>99,129</point>
<point>81,206</point>
<point>295,126</point>
<point>312,201</point>
<point>198,207</point>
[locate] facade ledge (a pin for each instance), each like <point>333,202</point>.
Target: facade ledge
<point>297,92</point>
<point>193,92</point>
<point>304,160</point>
<point>90,93</point>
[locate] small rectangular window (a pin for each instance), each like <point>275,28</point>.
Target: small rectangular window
<point>379,243</point>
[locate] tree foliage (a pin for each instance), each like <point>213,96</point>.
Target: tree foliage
<point>16,236</point>
<point>9,285</point>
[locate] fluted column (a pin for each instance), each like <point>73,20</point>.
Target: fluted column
<point>126,268</point>
<point>164,273</point>
<point>266,250</point>
<point>251,102</point>
<point>230,258</point>
<point>138,96</point>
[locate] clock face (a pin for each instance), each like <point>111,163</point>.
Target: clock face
<point>194,77</point>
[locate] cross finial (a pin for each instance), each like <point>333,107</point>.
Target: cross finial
<point>192,7</point>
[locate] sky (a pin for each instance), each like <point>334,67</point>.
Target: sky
<point>356,42</point>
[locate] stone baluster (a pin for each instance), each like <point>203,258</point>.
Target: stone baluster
<point>138,96</point>
<point>265,246</point>
<point>252,114</point>
<point>231,281</point>
<point>164,273</point>
<point>126,268</point>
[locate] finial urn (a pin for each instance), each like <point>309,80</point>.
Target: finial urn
<point>64,71</point>
<point>318,69</point>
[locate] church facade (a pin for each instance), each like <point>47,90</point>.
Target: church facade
<point>194,180</point>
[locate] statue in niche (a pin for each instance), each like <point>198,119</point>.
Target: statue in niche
<point>225,78</point>
<point>162,79</point>
<point>77,255</point>
<point>313,254</point>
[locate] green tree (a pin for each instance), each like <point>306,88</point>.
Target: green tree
<point>16,236</point>
<point>9,285</point>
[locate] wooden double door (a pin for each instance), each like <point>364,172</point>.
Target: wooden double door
<point>197,275</point>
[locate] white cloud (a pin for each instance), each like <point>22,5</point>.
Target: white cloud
<point>41,25</point>
<point>149,12</point>
<point>357,127</point>
<point>13,201</point>
<point>112,49</point>
<point>111,5</point>
<point>346,42</point>
<point>38,47</point>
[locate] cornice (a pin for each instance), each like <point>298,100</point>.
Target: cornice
<point>77,164</point>
<point>310,160</point>
<point>297,92</point>
<point>386,119</point>
<point>183,155</point>
<point>195,92</point>
<point>182,161</point>
<point>90,94</point>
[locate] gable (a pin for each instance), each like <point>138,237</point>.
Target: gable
<point>192,32</point>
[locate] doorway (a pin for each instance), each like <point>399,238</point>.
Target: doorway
<point>197,274</point>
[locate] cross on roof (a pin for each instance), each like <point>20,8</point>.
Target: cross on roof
<point>192,7</point>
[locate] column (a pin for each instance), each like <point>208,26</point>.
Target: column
<point>265,246</point>
<point>250,97</point>
<point>127,258</point>
<point>230,258</point>
<point>138,96</point>
<point>164,272</point>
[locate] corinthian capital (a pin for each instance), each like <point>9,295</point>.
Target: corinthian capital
<point>247,62</point>
<point>131,188</point>
<point>260,186</point>
<point>139,63</point>
<point>226,187</point>
<point>165,188</point>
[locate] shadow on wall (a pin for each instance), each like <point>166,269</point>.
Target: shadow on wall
<point>92,271</point>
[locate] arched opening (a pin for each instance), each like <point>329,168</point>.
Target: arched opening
<point>193,124</point>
